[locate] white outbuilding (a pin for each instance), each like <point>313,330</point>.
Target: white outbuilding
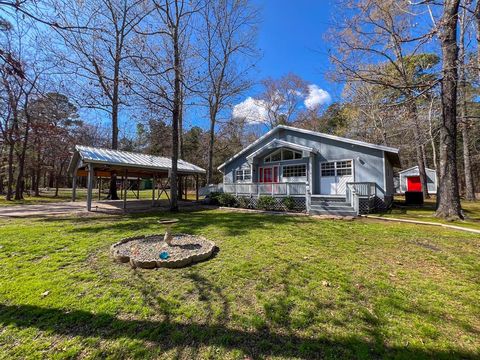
<point>409,180</point>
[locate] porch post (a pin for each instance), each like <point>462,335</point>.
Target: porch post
<point>308,188</point>
<point>89,186</point>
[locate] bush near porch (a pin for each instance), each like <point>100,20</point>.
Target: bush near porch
<point>280,287</point>
<point>263,202</point>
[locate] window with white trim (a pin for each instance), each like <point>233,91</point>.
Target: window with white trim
<point>243,175</point>
<point>283,154</point>
<point>337,168</point>
<point>294,171</point>
<point>328,169</point>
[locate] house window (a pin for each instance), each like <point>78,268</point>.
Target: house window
<point>243,175</point>
<point>276,156</point>
<point>283,154</point>
<point>344,168</point>
<point>295,170</point>
<point>328,169</point>
<point>337,168</point>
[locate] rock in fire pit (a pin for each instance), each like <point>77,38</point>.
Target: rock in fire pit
<point>153,251</point>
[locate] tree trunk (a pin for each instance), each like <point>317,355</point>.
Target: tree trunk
<point>57,181</point>
<point>21,160</point>
<point>10,172</point>
<point>38,176</point>
<point>180,139</point>
<point>211,143</point>
<point>175,121</point>
<point>449,206</point>
<point>462,92</point>
<point>112,193</point>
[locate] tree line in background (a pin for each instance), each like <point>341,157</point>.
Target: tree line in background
<point>410,70</point>
<point>148,59</point>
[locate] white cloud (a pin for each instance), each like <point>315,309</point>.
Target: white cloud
<point>316,97</point>
<point>253,110</point>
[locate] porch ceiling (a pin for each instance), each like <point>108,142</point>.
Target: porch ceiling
<point>276,144</point>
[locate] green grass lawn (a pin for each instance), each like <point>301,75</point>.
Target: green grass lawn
<point>426,212</point>
<point>48,196</point>
<point>279,287</point>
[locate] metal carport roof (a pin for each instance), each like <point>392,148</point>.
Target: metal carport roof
<point>127,159</point>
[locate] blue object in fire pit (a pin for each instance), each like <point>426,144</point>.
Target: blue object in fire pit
<point>164,255</point>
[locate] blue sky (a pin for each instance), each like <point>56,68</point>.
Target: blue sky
<point>291,40</point>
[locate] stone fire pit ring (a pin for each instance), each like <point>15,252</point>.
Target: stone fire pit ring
<point>144,251</point>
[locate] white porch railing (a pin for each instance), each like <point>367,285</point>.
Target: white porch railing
<point>272,189</point>
<point>357,190</point>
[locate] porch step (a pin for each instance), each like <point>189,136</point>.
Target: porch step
<point>331,205</point>
<point>346,211</point>
<point>327,198</point>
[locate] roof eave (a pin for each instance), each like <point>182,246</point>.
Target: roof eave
<point>159,168</point>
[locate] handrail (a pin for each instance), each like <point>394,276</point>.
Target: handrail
<point>357,190</point>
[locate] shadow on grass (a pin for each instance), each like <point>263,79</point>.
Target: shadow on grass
<point>173,335</point>
<point>191,221</point>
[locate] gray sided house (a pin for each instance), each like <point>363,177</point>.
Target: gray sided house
<point>325,174</point>
<point>409,180</point>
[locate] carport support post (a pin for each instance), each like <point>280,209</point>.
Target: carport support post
<point>196,187</point>
<point>125,190</point>
<point>89,187</point>
<point>74,185</point>
<point>154,185</point>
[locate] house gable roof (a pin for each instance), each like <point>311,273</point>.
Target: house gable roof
<point>278,143</point>
<point>393,151</point>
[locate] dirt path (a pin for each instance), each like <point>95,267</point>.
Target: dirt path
<point>79,207</point>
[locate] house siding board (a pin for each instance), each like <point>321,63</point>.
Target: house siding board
<point>368,162</point>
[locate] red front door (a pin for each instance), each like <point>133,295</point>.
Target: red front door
<point>413,183</point>
<point>269,175</point>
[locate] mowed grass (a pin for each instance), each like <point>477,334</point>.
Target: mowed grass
<point>471,210</point>
<point>64,195</point>
<point>279,287</point>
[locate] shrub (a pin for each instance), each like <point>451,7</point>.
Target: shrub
<point>289,202</point>
<point>244,202</point>
<point>227,200</point>
<point>266,203</point>
<point>213,198</point>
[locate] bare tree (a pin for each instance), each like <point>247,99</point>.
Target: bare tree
<point>463,109</point>
<point>380,32</point>
<point>166,47</point>
<point>227,33</point>
<point>282,98</point>
<point>97,58</point>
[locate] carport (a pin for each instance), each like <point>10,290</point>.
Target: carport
<point>98,163</point>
